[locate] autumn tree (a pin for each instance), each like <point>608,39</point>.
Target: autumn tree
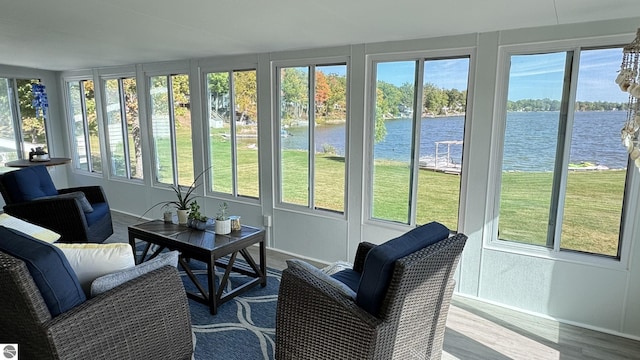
<point>338,95</point>
<point>322,93</point>
<point>246,93</point>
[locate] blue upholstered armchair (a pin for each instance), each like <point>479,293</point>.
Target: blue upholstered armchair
<point>392,304</point>
<point>79,214</point>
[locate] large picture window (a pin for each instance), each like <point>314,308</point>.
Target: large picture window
<point>171,125</point>
<point>417,145</point>
<point>563,171</point>
<point>312,124</point>
<point>123,127</point>
<point>84,126</point>
<point>233,132</point>
<point>22,128</point>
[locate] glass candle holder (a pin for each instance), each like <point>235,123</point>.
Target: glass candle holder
<point>235,223</point>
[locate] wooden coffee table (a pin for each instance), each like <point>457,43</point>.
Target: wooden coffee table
<point>212,249</point>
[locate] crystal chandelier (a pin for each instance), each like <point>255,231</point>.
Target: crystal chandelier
<point>629,81</point>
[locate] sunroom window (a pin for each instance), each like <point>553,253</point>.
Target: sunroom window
<point>311,132</point>
<point>84,126</point>
<point>232,109</point>
<point>171,124</point>
<point>123,127</point>
<point>417,145</point>
<point>564,173</point>
<point>22,128</point>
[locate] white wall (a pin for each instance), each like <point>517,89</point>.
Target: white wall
<point>602,297</point>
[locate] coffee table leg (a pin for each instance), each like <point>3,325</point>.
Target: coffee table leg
<point>211,273</point>
<point>263,262</point>
<point>132,242</point>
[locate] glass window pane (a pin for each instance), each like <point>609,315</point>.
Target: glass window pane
<point>161,127</point>
<point>8,140</point>
<point>441,135</point>
<point>34,132</point>
<point>218,88</point>
<point>596,177</point>
<point>133,127</point>
<point>393,129</point>
<point>530,142</point>
<point>184,145</point>
<point>114,128</point>
<point>294,135</point>
<point>330,136</point>
<point>76,110</point>
<point>92,123</point>
<point>245,89</point>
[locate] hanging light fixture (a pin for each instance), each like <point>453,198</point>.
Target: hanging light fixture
<point>629,81</point>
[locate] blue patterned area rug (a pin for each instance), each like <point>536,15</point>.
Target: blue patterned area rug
<point>244,327</point>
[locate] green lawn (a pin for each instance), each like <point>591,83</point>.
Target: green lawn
<point>592,205</point>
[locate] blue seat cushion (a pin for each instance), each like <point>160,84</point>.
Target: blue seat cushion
<point>29,183</point>
<point>49,268</point>
<point>379,263</point>
<point>99,211</point>
<point>348,277</point>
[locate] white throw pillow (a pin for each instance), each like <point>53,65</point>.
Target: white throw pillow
<point>28,228</point>
<point>90,261</point>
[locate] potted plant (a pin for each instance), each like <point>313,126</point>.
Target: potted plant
<point>184,196</point>
<point>223,222</point>
<point>196,220</point>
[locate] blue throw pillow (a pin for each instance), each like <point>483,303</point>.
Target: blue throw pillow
<point>378,266</point>
<point>348,277</point>
<point>29,183</point>
<point>99,211</point>
<point>49,268</point>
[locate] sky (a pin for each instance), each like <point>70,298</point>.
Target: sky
<point>446,73</point>
<point>535,76</point>
<point>540,76</point>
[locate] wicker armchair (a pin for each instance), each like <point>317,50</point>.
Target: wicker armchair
<point>316,321</point>
<point>61,214</point>
<point>145,318</point>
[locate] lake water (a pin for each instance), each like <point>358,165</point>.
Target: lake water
<point>595,139</point>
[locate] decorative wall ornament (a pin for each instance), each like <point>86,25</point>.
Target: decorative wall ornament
<point>40,102</point>
<point>629,81</point>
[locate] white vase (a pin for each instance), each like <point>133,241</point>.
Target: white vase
<point>223,227</point>
<point>182,216</point>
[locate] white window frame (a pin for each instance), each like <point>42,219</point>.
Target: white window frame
<point>276,66</point>
<point>71,123</point>
<point>422,56</point>
<point>631,203</point>
<point>230,68</point>
<point>124,130</point>
<point>20,151</point>
<point>164,69</point>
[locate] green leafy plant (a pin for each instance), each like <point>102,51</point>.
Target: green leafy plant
<point>194,212</point>
<point>222,211</point>
<point>184,196</point>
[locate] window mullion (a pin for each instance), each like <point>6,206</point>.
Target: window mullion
<point>172,130</point>
<point>311,111</point>
<point>125,131</point>
<point>560,168</point>
<point>85,123</point>
<point>14,103</point>
<point>234,150</point>
<point>415,148</point>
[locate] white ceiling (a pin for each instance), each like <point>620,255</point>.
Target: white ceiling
<point>79,34</point>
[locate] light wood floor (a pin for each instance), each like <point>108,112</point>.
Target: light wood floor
<point>478,330</point>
